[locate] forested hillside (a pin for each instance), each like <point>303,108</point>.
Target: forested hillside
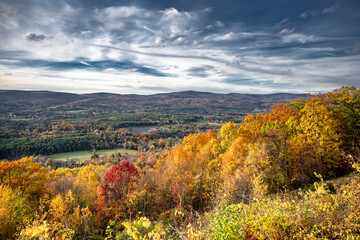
<point>55,105</point>
<point>291,172</point>
<point>45,123</point>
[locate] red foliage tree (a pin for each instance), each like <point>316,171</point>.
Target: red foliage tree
<point>114,195</point>
<point>119,181</point>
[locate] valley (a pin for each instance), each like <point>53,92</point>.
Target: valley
<point>187,171</point>
<point>46,123</point>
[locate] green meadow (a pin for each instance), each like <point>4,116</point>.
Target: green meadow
<point>83,155</point>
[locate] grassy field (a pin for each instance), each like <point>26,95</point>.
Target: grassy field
<point>209,123</point>
<point>142,129</point>
<point>83,155</point>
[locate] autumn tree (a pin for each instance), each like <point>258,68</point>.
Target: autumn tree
<point>191,171</point>
<point>22,184</point>
<point>119,182</point>
<point>25,176</point>
<point>87,180</point>
<point>345,102</point>
<point>60,218</point>
<point>14,211</point>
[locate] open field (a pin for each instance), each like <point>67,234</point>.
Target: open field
<point>83,155</point>
<point>210,123</point>
<point>142,129</point>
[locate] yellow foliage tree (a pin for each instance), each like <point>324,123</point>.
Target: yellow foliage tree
<point>13,211</point>
<point>88,178</point>
<point>63,220</point>
<point>27,177</point>
<point>191,177</point>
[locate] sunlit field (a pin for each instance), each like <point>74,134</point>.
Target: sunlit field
<point>83,155</point>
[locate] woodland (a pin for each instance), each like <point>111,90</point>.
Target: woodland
<point>291,172</point>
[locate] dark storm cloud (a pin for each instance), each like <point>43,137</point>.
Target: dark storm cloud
<point>35,37</point>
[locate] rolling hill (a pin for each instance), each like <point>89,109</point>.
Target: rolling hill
<point>30,104</point>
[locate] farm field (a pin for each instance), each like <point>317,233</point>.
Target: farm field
<point>83,155</point>
<point>142,129</point>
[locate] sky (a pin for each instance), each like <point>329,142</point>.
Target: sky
<point>157,46</point>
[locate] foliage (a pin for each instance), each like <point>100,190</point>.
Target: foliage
<point>316,214</point>
<point>138,229</point>
<point>120,180</point>
<point>25,176</point>
<point>238,183</point>
<point>43,137</point>
<point>88,178</point>
<point>114,196</point>
<point>60,218</point>
<point>14,211</point>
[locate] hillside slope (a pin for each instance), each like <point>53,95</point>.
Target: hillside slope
<point>29,103</point>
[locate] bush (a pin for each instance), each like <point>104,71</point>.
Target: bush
<point>319,213</point>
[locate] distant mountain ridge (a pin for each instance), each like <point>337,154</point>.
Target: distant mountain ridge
<point>16,101</point>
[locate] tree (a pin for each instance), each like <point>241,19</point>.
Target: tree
<point>27,177</point>
<point>64,219</point>
<point>115,193</point>
<point>190,171</point>
<point>120,180</point>
<point>87,180</point>
<point>13,211</point>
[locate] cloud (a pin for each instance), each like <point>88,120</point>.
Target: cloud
<point>143,49</point>
<point>163,28</point>
<point>35,37</point>
<point>354,50</point>
<point>202,71</point>
<point>6,12</point>
<point>219,24</point>
<point>157,41</point>
<point>283,21</point>
<point>123,12</point>
<point>179,40</point>
<point>225,37</point>
<point>308,13</point>
<point>207,10</point>
<point>86,32</point>
<point>222,37</point>
<point>300,38</point>
<point>85,63</point>
<point>286,31</point>
<point>157,89</point>
<point>331,9</point>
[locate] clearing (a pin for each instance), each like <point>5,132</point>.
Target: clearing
<point>83,155</point>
